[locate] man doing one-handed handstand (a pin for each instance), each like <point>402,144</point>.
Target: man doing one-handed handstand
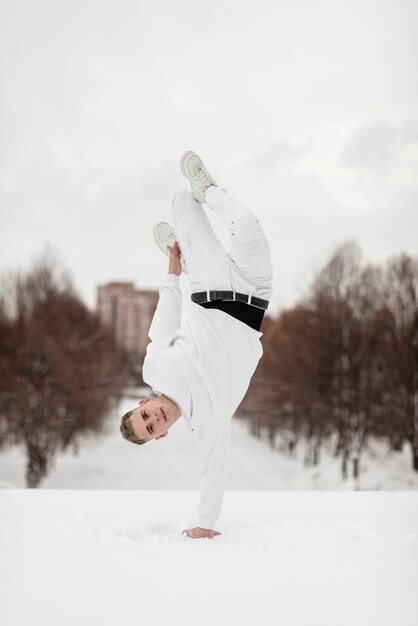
<point>202,372</point>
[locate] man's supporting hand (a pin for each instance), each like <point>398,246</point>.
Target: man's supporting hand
<point>200,533</point>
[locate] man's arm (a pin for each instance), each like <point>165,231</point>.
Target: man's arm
<point>213,453</point>
<point>167,315</point>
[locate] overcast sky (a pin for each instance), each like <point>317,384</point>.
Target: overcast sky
<point>306,111</point>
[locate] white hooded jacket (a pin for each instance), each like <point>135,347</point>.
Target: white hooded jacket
<point>206,369</point>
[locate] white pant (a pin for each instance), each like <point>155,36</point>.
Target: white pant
<point>246,269</point>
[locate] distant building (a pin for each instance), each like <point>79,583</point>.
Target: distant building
<point>128,312</point>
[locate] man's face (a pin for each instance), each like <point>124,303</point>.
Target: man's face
<point>154,417</point>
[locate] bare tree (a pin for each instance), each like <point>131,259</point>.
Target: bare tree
<point>400,289</point>
<point>330,297</point>
<point>343,361</point>
<point>60,370</point>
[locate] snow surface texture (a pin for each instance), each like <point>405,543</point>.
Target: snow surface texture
<point>100,556</point>
<point>291,558</point>
<point>109,462</point>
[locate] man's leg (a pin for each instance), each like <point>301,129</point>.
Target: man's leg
<point>250,250</point>
<point>206,258</point>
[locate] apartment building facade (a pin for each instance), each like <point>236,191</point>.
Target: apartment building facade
<point>128,311</point>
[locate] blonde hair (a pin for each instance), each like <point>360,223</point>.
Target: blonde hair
<point>127,430</point>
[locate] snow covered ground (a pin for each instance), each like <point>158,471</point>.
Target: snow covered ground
<point>101,543</point>
<point>109,462</point>
<point>293,558</point>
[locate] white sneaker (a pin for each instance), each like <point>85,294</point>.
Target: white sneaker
<point>192,167</point>
<point>164,235</point>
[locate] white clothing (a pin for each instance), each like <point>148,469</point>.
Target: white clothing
<point>207,366</point>
<point>246,268</point>
<point>206,369</point>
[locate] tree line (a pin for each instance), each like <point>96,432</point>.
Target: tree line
<point>60,369</point>
<point>343,362</point>
<point>340,366</point>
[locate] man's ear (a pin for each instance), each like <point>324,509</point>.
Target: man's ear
<point>144,401</point>
<point>160,436</point>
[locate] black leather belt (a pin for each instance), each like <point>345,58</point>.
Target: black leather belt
<point>206,296</point>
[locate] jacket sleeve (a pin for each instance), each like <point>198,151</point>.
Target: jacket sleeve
<point>213,453</point>
<point>167,315</point>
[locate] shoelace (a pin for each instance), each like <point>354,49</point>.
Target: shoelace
<point>202,176</point>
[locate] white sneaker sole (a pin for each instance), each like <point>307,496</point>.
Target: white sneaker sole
<point>183,160</point>
<point>198,189</point>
